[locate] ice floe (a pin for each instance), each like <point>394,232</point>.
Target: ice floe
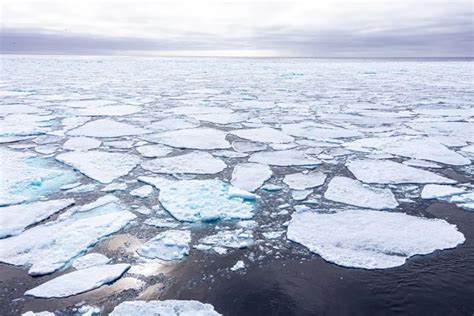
<point>142,191</point>
<point>194,162</point>
<point>238,266</point>
<point>194,138</point>
<point>107,128</point>
<point>246,147</point>
<point>302,181</point>
<point>289,157</point>
<point>371,239</point>
<point>90,260</point>
<point>200,200</point>
<point>102,166</point>
<point>238,238</point>
<point>81,143</point>
<point>79,281</point>
<point>436,191</point>
<point>15,218</point>
<point>391,172</point>
<point>153,151</point>
<point>353,192</point>
<point>167,245</point>
<point>263,135</point>
<point>250,176</point>
<point>164,308</point>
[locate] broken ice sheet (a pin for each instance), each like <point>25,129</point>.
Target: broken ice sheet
<point>107,128</point>
<point>168,245</point>
<point>289,157</point>
<point>193,138</point>
<point>437,191</point>
<point>26,177</point>
<point>302,181</point>
<point>250,176</point>
<point>153,151</point>
<point>90,260</point>
<point>102,166</point>
<point>371,239</point>
<point>167,307</point>
<point>263,135</point>
<point>15,218</point>
<point>200,200</point>
<point>80,281</point>
<point>238,238</point>
<point>352,192</point>
<point>195,162</point>
<point>50,247</point>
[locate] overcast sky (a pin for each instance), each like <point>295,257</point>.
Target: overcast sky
<point>319,28</point>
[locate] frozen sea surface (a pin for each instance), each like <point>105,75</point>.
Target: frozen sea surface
<point>243,184</point>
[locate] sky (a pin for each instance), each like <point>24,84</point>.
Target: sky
<point>298,28</point>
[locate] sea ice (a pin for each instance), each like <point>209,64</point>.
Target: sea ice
<point>173,124</point>
<point>283,158</point>
<point>263,135</point>
<point>30,313</point>
<point>391,172</point>
<point>168,245</point>
<point>436,191</point>
<point>302,181</point>
<point>194,162</point>
<point>79,281</point>
<point>142,191</point>
<point>164,308</point>
<point>81,143</point>
<point>371,239</point>
<point>222,118</point>
<point>14,219</point>
<point>250,176</point>
<point>246,147</point>
<point>353,192</point>
<point>194,138</point>
<point>49,247</point>
<point>238,238</point>
<point>102,166</point>
<point>90,260</point>
<point>238,265</point>
<point>311,130</point>
<point>153,151</point>
<point>108,110</point>
<point>107,128</point>
<point>200,200</point>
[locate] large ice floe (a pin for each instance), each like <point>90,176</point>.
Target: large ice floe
<point>371,239</point>
<point>15,218</point>
<point>194,138</point>
<point>26,177</point>
<point>194,162</point>
<point>263,135</point>
<point>391,172</point>
<point>250,176</point>
<point>167,245</point>
<point>51,246</point>
<point>289,157</point>
<point>302,181</point>
<point>107,128</point>
<point>164,308</point>
<point>102,166</point>
<point>353,192</point>
<point>202,200</point>
<point>79,281</point>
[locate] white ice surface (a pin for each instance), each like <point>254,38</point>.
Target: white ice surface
<point>238,265</point>
<point>102,166</point>
<point>81,143</point>
<point>353,192</point>
<point>194,162</point>
<point>289,157</point>
<point>167,245</point>
<point>371,239</point>
<point>302,181</point>
<point>152,151</point>
<point>263,135</point>
<point>436,191</point>
<point>238,238</point>
<point>194,138</point>
<point>79,281</point>
<point>164,308</point>
<point>391,172</point>
<point>90,260</point>
<point>142,191</point>
<point>107,128</point>
<point>250,176</point>
<point>14,219</point>
<point>200,200</point>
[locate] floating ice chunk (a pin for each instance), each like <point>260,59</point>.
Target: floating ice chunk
<point>254,104</point>
<point>167,245</point>
<point>283,158</point>
<point>246,147</point>
<point>81,143</point>
<point>80,281</point>
<point>436,191</point>
<point>465,201</point>
<point>263,135</point>
<point>229,154</point>
<point>90,260</point>
<point>310,130</point>
<point>108,110</point>
<point>25,124</point>
<point>250,176</point>
<point>165,308</point>
<point>25,177</point>
<point>222,118</point>
<point>49,247</point>
<point>107,128</point>
<point>30,313</point>
<point>195,138</point>
<point>273,235</point>
<point>238,238</point>
<point>190,110</point>
<point>352,192</point>
<point>238,265</point>
<point>162,222</point>
<point>462,130</point>
<point>14,219</point>
<point>300,195</point>
<point>241,194</point>
<point>173,124</point>
<point>390,172</point>
<point>142,191</point>
<point>371,239</point>
<point>102,166</point>
<point>302,181</point>
<point>271,187</point>
<point>200,200</point>
<point>152,151</point>
<point>421,163</point>
<point>194,162</point>
<point>115,186</point>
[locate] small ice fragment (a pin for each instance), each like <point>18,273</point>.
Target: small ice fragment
<point>90,260</point>
<point>300,181</point>
<point>238,265</point>
<point>300,195</point>
<point>81,143</point>
<point>165,308</point>
<point>250,176</point>
<point>436,191</point>
<point>194,138</point>
<point>142,191</point>
<point>195,162</point>
<point>263,135</point>
<point>289,157</point>
<point>153,151</point>
<point>167,245</point>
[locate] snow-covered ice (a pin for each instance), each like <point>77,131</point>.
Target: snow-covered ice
<point>81,143</point>
<point>250,176</point>
<point>79,281</point>
<point>263,135</point>
<point>302,181</point>
<point>371,239</point>
<point>142,192</point>
<point>194,138</point>
<point>90,260</point>
<point>164,308</point>
<point>436,191</point>
<point>289,157</point>
<point>153,151</point>
<point>107,128</point>
<point>353,192</point>
<point>196,162</point>
<point>167,245</point>
<point>238,265</point>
